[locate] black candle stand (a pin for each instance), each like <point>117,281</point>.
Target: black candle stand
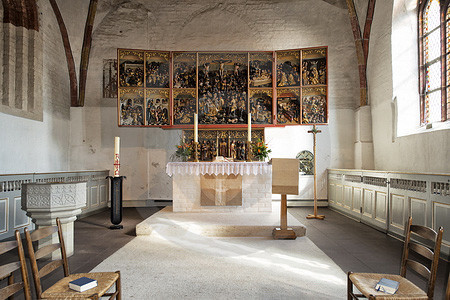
<point>116,201</point>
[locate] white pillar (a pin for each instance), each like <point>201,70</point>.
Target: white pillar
<point>364,159</point>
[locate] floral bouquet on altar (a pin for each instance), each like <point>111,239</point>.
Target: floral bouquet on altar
<point>260,150</point>
<point>184,151</point>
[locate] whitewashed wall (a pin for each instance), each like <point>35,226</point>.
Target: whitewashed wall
<point>41,146</point>
<point>211,25</point>
<point>82,138</point>
<point>399,143</point>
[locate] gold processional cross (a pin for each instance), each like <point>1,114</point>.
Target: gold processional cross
<point>315,131</point>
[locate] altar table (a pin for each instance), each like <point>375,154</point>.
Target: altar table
<point>221,186</point>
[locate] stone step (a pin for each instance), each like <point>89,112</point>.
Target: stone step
<point>217,224</point>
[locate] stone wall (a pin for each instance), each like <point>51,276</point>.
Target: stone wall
<point>38,143</point>
<point>399,142</point>
<point>203,26</point>
<point>82,138</point>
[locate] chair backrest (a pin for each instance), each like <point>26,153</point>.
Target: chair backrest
<point>432,254</point>
<point>44,251</point>
<point>6,271</point>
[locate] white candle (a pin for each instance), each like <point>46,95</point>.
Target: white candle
<point>116,156</point>
<point>249,134</point>
<point>196,128</point>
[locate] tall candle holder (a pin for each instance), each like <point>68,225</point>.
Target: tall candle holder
<point>195,151</point>
<point>249,151</point>
<point>116,201</point>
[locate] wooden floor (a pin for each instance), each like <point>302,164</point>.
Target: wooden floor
<point>351,245</point>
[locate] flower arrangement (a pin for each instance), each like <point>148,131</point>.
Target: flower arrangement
<point>260,150</point>
<point>184,151</point>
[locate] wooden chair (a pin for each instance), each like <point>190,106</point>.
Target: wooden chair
<point>365,282</point>
<point>447,294</point>
<point>61,290</point>
<point>6,271</point>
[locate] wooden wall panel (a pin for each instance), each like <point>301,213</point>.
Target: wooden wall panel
<point>103,194</point>
<point>4,215</point>
<point>397,217</point>
<point>418,211</point>
<point>20,216</point>
<point>348,195</point>
<point>357,197</point>
<point>441,217</point>
<point>339,194</point>
<point>424,197</point>
<point>94,196</point>
<point>381,206</point>
<point>368,203</point>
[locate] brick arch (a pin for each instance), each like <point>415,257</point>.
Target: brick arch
<point>21,13</point>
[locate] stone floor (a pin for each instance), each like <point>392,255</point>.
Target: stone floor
<point>351,245</point>
<point>357,247</point>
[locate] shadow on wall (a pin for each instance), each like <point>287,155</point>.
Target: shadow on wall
<point>220,28</point>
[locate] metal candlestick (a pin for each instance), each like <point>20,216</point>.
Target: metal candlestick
<point>116,201</point>
<point>195,151</point>
<point>315,131</point>
<point>249,151</point>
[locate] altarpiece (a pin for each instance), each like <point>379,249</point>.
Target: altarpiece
<point>278,88</point>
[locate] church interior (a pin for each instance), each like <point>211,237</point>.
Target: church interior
<point>225,149</point>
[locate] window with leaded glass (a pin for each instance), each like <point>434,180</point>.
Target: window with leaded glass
<point>432,61</point>
<point>447,59</point>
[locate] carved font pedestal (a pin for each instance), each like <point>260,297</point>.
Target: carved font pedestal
<point>44,202</point>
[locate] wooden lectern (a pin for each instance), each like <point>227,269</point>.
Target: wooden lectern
<point>284,182</point>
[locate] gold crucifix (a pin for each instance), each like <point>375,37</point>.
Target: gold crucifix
<point>315,131</point>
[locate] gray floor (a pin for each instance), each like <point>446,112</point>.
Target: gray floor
<point>352,245</point>
<point>357,247</point>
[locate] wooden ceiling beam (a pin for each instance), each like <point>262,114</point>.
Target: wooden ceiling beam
<point>361,44</point>
<point>77,96</point>
<point>87,41</point>
<point>69,56</point>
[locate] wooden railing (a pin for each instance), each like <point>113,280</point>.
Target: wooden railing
<point>385,200</point>
<point>12,216</point>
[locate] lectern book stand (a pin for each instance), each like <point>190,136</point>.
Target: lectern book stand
<point>284,182</point>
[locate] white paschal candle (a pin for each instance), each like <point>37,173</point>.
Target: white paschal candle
<point>116,156</point>
<point>196,128</point>
<point>249,134</point>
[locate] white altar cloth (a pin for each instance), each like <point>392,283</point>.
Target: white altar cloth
<point>187,187</point>
<point>216,168</point>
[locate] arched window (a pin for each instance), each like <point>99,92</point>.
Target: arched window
<point>447,60</point>
<point>434,41</point>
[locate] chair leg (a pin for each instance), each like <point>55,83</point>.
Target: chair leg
<point>349,287</point>
<point>10,282</point>
<point>118,287</point>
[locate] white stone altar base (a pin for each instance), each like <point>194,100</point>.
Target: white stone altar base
<point>256,185</point>
<point>44,202</point>
<point>220,224</point>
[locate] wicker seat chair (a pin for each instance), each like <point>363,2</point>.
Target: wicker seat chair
<point>61,290</point>
<point>365,282</point>
<point>6,271</point>
<point>447,294</point>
